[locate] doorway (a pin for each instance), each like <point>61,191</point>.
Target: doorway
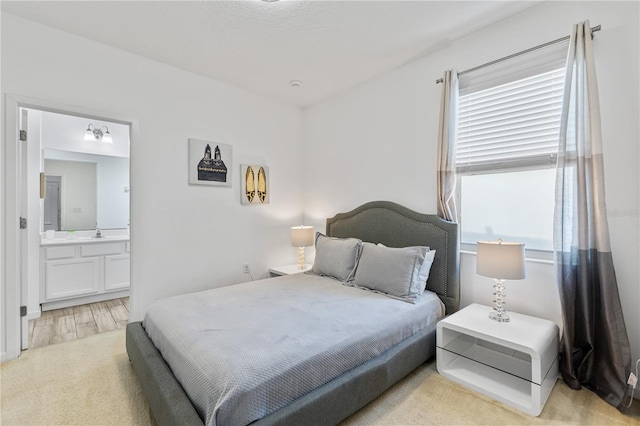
<point>52,203</point>
<point>21,289</point>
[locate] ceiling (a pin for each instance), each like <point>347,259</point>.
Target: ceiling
<point>261,46</point>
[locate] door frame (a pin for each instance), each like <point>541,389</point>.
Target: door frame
<point>10,201</point>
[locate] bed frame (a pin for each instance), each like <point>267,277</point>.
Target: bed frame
<point>379,222</point>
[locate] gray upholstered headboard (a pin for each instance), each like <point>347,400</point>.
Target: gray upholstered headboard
<point>396,226</point>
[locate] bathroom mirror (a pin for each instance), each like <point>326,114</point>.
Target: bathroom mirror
<point>85,191</point>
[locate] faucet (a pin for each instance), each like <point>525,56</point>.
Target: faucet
<point>98,233</point>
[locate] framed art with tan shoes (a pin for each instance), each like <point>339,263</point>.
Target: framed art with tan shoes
<point>255,180</point>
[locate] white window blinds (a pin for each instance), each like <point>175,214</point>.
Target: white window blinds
<point>512,126</point>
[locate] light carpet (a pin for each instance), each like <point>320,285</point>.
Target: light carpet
<point>90,382</point>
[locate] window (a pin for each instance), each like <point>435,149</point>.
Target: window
<point>506,154</point>
<point>517,206</point>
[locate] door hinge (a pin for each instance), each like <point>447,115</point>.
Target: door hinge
<point>23,311</point>
<point>23,135</point>
<point>23,223</point>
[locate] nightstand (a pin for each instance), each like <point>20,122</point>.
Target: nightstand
<point>513,362</point>
<point>287,270</point>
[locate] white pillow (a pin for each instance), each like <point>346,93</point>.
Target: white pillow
<point>425,268</point>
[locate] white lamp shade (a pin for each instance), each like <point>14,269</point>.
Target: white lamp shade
<point>106,137</point>
<point>89,136</point>
<point>302,236</point>
<point>501,260</point>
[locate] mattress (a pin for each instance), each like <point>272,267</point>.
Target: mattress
<point>244,351</point>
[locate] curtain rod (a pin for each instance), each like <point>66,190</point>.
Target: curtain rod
<point>531,49</point>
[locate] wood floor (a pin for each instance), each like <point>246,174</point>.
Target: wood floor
<point>62,325</point>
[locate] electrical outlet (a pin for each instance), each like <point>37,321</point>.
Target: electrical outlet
<point>633,380</point>
<point>245,268</point>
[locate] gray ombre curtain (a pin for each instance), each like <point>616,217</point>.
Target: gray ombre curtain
<point>595,349</point>
<point>447,147</point>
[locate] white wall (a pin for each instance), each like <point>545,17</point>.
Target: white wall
<point>378,142</point>
<point>184,238</point>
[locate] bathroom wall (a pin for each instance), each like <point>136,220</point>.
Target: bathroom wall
<point>66,132</point>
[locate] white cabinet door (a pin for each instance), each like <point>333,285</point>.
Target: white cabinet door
<point>72,277</point>
<point>116,272</point>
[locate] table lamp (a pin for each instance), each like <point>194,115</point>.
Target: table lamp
<point>501,261</point>
<point>301,237</point>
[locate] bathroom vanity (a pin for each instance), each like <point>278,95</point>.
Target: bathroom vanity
<point>83,269</point>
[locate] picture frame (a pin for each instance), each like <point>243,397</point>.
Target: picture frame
<point>210,163</point>
<point>255,184</point>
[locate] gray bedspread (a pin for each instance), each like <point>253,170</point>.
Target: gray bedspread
<point>243,351</point>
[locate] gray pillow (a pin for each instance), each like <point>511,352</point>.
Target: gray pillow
<point>428,256</point>
<point>336,257</point>
<point>392,271</point>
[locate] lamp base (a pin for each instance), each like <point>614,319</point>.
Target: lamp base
<point>499,313</point>
<point>301,262</point>
<point>499,316</point>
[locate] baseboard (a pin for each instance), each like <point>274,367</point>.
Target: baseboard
<point>66,303</point>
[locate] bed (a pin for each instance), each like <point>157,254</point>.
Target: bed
<point>355,374</point>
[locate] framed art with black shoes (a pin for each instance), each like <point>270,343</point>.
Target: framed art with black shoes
<point>210,163</point>
<point>255,184</point>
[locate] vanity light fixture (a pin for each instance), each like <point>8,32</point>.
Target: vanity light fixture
<point>92,134</point>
